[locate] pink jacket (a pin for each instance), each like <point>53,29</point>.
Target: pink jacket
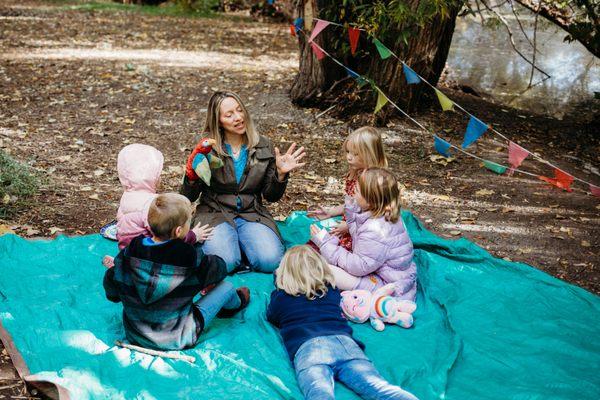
<point>139,167</point>
<point>382,252</point>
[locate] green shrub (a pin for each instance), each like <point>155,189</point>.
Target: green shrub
<point>18,182</point>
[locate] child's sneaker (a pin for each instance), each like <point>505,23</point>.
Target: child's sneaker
<point>244,295</point>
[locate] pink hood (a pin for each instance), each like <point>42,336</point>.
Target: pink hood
<point>139,167</point>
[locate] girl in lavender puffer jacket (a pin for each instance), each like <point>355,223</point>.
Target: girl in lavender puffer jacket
<point>382,252</point>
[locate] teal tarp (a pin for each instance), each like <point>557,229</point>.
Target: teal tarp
<point>485,329</point>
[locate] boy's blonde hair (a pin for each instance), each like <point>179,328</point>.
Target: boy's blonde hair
<point>212,128</point>
<point>379,188</point>
<point>367,143</point>
<point>167,212</point>
<point>303,271</point>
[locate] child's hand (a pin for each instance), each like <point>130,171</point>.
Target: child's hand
<point>314,230</point>
<point>340,229</point>
<point>203,233</point>
<point>320,213</point>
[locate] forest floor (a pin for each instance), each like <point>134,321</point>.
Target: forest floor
<point>76,86</point>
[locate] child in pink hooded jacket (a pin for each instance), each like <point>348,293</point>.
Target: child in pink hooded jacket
<point>382,251</point>
<point>139,167</point>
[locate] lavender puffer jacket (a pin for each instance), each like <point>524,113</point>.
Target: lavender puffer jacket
<point>382,252</point>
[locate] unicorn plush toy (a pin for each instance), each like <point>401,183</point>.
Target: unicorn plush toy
<point>379,307</point>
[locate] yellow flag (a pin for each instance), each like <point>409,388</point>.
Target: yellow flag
<point>445,102</point>
<point>381,101</point>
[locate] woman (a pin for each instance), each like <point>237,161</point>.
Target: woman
<point>233,202</point>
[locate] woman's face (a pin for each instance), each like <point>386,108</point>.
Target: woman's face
<point>231,117</point>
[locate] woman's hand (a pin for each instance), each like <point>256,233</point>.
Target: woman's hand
<point>202,232</point>
<point>340,229</point>
<point>289,161</point>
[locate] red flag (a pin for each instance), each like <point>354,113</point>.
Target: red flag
<point>595,190</point>
<point>292,30</point>
<point>561,180</point>
<point>353,35</point>
<point>320,25</point>
<point>318,52</point>
<point>516,155</point>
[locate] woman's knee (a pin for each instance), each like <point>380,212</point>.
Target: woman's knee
<point>267,258</point>
<point>224,244</point>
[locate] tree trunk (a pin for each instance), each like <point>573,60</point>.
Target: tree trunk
<point>426,53</point>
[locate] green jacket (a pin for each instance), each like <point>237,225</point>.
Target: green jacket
<point>218,202</point>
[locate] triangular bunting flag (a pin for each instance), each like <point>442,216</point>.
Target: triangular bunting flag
<point>362,81</point>
<point>318,52</point>
<point>384,52</point>
<point>352,74</point>
<point>475,129</point>
<point>411,76</point>
<point>381,101</point>
<point>595,190</point>
<point>516,155</point>
<point>353,35</point>
<point>492,166</point>
<point>292,30</point>
<point>441,146</point>
<point>561,180</point>
<point>298,24</point>
<point>445,102</point>
<point>319,26</point>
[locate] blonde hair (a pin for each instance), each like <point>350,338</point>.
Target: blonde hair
<point>212,128</point>
<point>303,271</point>
<point>167,212</point>
<point>380,190</point>
<point>367,143</point>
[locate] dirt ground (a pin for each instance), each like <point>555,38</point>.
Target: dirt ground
<point>77,86</point>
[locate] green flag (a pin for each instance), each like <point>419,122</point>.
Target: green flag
<point>445,102</point>
<point>492,166</point>
<point>384,52</point>
<point>381,101</point>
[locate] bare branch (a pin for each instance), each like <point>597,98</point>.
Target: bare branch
<point>512,7</point>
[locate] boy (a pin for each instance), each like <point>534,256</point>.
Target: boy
<point>157,278</point>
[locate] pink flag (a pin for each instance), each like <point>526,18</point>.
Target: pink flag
<point>595,190</point>
<point>319,26</point>
<point>516,155</point>
<point>353,35</point>
<point>318,52</point>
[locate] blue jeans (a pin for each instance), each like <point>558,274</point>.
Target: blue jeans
<point>321,360</point>
<point>260,244</point>
<point>222,296</point>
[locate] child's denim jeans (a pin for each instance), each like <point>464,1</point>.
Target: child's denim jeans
<point>222,296</point>
<point>322,359</point>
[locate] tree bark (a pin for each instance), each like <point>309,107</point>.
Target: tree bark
<point>426,53</point>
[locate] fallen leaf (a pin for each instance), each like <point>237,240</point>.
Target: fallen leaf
<point>98,172</point>
<point>484,192</point>
<point>585,243</point>
<point>94,196</point>
<point>455,233</point>
<point>31,231</point>
<point>5,230</point>
<point>55,229</point>
<point>63,159</point>
<point>329,160</point>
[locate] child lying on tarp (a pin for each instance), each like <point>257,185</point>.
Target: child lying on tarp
<point>139,167</point>
<point>306,308</point>
<point>157,278</point>
<point>382,252</point>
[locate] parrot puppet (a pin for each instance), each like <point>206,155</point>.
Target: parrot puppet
<point>201,161</point>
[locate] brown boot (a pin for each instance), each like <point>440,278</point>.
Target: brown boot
<point>244,295</point>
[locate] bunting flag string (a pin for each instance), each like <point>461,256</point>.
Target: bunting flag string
<point>353,35</point>
<point>561,178</point>
<point>475,129</point>
<point>412,77</point>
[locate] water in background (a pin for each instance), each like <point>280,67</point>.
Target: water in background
<point>483,58</point>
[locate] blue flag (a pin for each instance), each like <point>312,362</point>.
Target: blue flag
<point>410,75</point>
<point>352,73</point>
<point>441,146</point>
<point>298,24</point>
<point>475,129</point>
<point>270,2</point>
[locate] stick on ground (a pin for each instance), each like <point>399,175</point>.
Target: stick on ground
<point>156,353</point>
